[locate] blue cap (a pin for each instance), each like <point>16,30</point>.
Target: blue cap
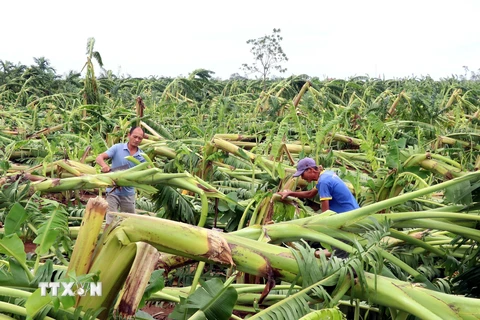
<point>303,165</point>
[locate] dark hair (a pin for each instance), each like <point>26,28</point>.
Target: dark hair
<point>133,128</point>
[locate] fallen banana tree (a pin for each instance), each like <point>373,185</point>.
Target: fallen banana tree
<point>133,238</point>
<point>260,259</point>
<point>139,176</point>
<point>139,237</point>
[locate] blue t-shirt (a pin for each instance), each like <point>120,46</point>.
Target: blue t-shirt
<point>331,187</point>
<point>117,154</point>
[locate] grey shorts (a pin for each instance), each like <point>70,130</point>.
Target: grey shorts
<point>119,204</point>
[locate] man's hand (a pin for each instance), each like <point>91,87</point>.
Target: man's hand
<point>284,194</point>
<point>100,160</point>
<point>327,253</point>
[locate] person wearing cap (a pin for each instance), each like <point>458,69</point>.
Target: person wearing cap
<point>333,192</point>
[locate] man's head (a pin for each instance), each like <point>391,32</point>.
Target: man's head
<point>307,169</point>
<point>135,136</point>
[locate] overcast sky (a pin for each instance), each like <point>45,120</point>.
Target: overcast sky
<point>339,39</point>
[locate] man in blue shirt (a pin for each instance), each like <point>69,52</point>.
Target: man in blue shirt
<point>333,192</point>
<point>122,199</point>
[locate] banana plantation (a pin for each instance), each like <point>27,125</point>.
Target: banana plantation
<point>211,238</point>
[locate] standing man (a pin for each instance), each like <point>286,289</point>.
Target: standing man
<point>333,192</point>
<point>122,199</point>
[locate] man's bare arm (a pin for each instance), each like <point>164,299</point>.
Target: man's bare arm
<point>325,205</point>
<point>299,194</point>
<point>101,162</point>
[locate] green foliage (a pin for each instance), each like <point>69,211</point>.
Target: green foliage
<point>156,283</point>
<point>13,193</point>
<point>159,128</point>
<point>462,284</point>
<point>53,228</point>
<point>15,219</point>
<point>212,300</point>
<point>461,193</point>
<point>175,206</point>
<point>285,212</point>
<point>324,314</point>
<point>12,246</point>
<point>318,279</point>
<point>86,114</point>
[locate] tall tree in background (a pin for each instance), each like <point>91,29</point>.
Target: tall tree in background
<point>268,55</point>
<point>42,76</point>
<point>10,71</point>
<point>91,94</point>
<point>43,64</point>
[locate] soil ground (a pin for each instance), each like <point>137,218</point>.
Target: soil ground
<point>159,312</point>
